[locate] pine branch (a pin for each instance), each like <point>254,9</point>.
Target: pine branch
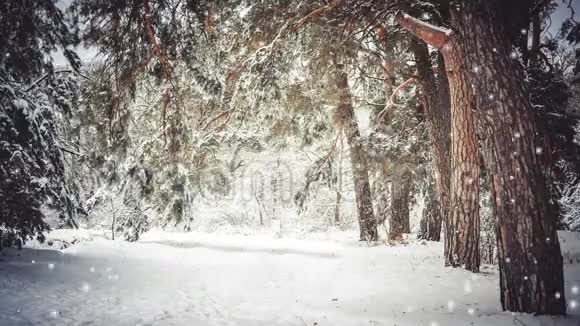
<point>162,60</point>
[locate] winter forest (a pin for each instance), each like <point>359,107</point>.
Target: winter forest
<point>290,162</point>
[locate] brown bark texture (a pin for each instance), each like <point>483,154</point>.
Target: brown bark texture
<point>462,222</point>
<point>530,260</point>
<point>358,158</point>
<point>435,99</point>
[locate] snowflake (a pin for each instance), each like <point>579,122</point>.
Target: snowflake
<point>86,287</point>
<point>471,311</point>
<point>575,289</point>
<point>450,305</point>
<point>51,266</point>
<point>467,286</point>
<point>557,295</point>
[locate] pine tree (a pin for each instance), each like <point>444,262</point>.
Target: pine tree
<point>32,97</point>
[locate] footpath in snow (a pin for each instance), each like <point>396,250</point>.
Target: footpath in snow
<point>209,279</point>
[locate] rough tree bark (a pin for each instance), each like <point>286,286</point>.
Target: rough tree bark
<point>400,191</point>
<point>530,260</point>
<point>462,223</point>
<point>346,118</point>
<point>435,98</point>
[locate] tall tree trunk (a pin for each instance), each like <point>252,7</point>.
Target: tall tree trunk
<point>400,191</point>
<point>346,118</point>
<point>435,98</point>
<point>530,260</point>
<point>462,222</point>
<point>430,226</point>
<point>339,187</point>
<point>462,227</point>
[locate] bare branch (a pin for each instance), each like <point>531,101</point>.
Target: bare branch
<point>393,96</point>
<point>315,13</point>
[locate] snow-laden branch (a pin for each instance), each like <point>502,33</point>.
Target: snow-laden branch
<point>430,34</point>
<point>62,71</point>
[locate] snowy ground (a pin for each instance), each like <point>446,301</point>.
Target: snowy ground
<point>201,279</point>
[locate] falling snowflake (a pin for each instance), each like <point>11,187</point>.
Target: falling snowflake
<point>557,295</point>
<point>575,289</point>
<point>517,135</point>
<point>471,311</point>
<point>523,31</point>
<point>491,97</point>
<point>512,177</point>
<point>513,55</point>
<point>51,266</point>
<point>92,269</point>
<point>525,278</point>
<point>34,261</point>
<point>86,287</point>
<point>450,305</point>
<point>475,69</point>
<point>508,260</point>
<point>539,150</point>
<point>426,16</point>
<point>573,304</point>
<point>467,286</point>
<point>54,314</point>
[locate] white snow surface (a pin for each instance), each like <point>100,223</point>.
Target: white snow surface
<point>212,279</point>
